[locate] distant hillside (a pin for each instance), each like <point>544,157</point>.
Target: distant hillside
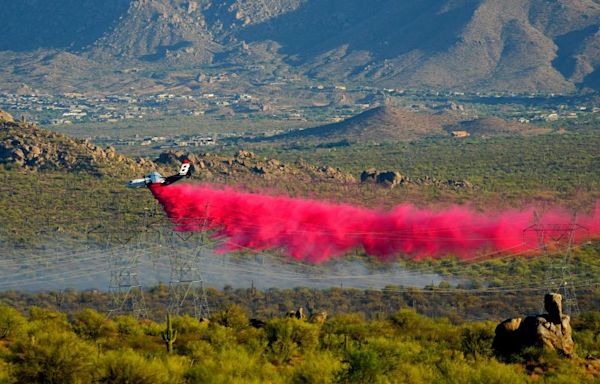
<point>494,126</point>
<point>379,124</point>
<point>389,124</point>
<point>514,45</point>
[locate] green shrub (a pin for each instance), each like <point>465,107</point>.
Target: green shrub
<point>127,366</point>
<point>286,337</point>
<point>480,372</point>
<point>53,357</point>
<point>7,373</point>
<point>92,325</point>
<point>12,323</point>
<point>127,325</point>
<point>477,340</point>
<point>232,317</point>
<point>233,365</point>
<point>317,368</point>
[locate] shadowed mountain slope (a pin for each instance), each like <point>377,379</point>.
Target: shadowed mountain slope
<point>516,45</point>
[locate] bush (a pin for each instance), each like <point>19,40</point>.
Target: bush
<point>321,368</point>
<point>233,365</point>
<point>286,337</point>
<point>127,325</point>
<point>481,372</point>
<point>54,357</point>
<point>47,320</point>
<point>11,322</point>
<point>92,325</point>
<point>127,366</point>
<point>233,317</point>
<point>6,373</point>
<point>477,340</point>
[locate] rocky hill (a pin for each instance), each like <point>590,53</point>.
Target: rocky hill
<point>379,124</point>
<point>390,124</point>
<point>247,164</point>
<point>26,146</point>
<point>516,45</point>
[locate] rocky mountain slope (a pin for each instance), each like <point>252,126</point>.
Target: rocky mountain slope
<point>516,45</point>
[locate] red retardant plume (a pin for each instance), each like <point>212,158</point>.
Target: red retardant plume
<point>317,231</point>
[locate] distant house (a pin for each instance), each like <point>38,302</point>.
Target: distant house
<point>460,134</point>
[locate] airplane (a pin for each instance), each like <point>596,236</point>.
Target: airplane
<point>155,178</point>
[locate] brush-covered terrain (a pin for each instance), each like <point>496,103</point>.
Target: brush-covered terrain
<point>54,186</point>
<point>46,346</point>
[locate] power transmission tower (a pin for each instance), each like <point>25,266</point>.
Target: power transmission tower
<point>559,238</point>
<point>125,288</point>
<point>186,285</point>
<point>187,293</point>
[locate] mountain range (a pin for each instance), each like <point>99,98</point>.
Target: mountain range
<point>508,45</point>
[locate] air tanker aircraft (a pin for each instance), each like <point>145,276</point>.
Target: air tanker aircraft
<point>155,178</point>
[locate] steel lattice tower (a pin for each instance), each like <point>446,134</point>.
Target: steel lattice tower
<point>185,251</point>
<point>125,288</point>
<point>186,286</point>
<point>559,278</point>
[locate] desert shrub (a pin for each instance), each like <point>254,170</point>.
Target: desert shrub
<point>345,330</point>
<point>127,325</point>
<point>317,368</point>
<point>92,325</point>
<point>477,340</point>
<point>53,357</point>
<point>286,337</point>
<point>481,372</point>
<point>364,366</point>
<point>150,328</point>
<point>127,366</point>
<point>587,334</point>
<point>379,359</point>
<point>409,324</point>
<point>232,317</point>
<point>233,365</point>
<point>47,320</point>
<point>187,324</point>
<point>412,373</point>
<point>12,323</point>
<point>221,337</point>
<point>7,373</point>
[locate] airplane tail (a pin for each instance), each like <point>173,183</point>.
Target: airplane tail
<point>185,169</point>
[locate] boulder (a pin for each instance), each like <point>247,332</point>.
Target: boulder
<point>318,317</point>
<point>368,175</point>
<point>551,331</point>
<point>390,178</point>
<point>6,117</point>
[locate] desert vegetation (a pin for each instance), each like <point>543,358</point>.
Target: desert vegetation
<point>45,346</point>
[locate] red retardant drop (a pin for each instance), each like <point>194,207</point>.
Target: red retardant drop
<point>316,231</point>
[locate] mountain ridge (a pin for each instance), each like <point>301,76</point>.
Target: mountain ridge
<point>514,45</point>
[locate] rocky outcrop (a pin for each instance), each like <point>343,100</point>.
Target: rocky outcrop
<point>387,178</point>
<point>393,179</point>
<point>318,317</point>
<point>551,331</point>
<point>245,163</point>
<point>30,147</point>
<point>6,117</point>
